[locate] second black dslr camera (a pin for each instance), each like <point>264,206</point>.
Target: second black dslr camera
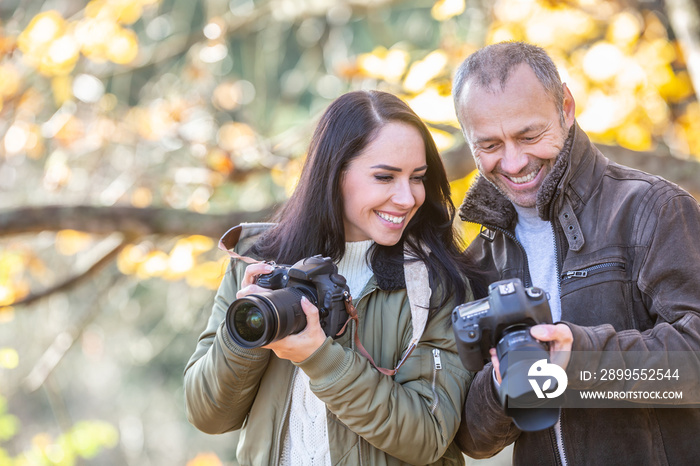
<point>259,319</point>
<point>503,320</point>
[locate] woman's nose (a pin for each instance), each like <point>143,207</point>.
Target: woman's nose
<point>403,195</point>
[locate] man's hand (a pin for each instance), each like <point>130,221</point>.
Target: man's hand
<point>560,341</point>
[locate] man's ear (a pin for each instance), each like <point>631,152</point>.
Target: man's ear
<point>568,107</point>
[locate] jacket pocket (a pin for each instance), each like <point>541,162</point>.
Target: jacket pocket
<point>597,293</point>
<point>592,270</point>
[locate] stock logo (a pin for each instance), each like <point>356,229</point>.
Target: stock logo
<point>543,370</point>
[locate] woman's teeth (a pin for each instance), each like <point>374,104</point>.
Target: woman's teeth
<point>391,218</point>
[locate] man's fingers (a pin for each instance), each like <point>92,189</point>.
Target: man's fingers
<point>496,364</point>
<point>560,341</point>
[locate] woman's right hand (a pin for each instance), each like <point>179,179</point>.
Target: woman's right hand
<point>248,285</point>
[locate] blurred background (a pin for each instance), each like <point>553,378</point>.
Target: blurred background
<point>133,133</point>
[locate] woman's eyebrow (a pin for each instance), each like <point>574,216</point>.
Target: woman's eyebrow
<point>396,169</point>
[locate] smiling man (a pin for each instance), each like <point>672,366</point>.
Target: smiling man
<point>616,249</point>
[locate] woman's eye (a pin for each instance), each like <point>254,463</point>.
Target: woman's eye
<point>418,179</point>
<point>383,177</point>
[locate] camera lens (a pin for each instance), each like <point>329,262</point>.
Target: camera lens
<point>249,322</point>
<point>259,319</point>
<point>517,352</point>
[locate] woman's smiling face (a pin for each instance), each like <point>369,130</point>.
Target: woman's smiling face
<point>382,187</point>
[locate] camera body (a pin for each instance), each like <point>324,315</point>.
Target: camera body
<point>261,318</point>
<point>503,320</point>
<point>484,323</point>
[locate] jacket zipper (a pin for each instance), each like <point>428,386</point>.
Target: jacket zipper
<point>558,435</point>
<point>437,365</point>
<point>527,283</point>
<point>582,273</point>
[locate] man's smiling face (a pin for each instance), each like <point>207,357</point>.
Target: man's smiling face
<point>515,133</point>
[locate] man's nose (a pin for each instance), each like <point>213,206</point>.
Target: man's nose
<point>514,159</point>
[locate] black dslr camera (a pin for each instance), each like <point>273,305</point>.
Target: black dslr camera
<point>503,320</point>
<point>259,319</point>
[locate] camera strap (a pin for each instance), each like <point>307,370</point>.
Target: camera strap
<point>352,312</point>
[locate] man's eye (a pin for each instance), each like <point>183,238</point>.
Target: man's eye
<point>532,138</point>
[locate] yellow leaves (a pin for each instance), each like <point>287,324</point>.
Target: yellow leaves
<point>141,197</point>
<point>182,262</point>
<point>422,71</point>
<point>433,106</point>
<point>619,63</point>
<point>687,127</point>
<point>468,231</point>
<point>70,242</point>
<point>220,161</point>
<point>122,11</point>
<point>13,284</point>
<point>53,45</point>
<point>443,139</point>
<point>236,137</point>
<point>603,61</point>
<point>287,175</point>
<point>123,47</point>
<point>47,44</point>
<point>205,459</point>
<point>625,28</point>
<point>10,82</point>
<point>207,274</point>
<point>21,137</point>
<point>9,358</point>
<point>381,63</point>
<point>86,439</point>
<point>446,9</point>
<point>41,31</point>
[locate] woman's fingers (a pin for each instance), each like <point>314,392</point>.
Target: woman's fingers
<point>252,272</point>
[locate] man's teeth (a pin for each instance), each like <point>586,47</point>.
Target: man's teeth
<point>524,179</point>
<point>391,218</point>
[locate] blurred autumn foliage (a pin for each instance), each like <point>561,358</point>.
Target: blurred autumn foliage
<point>134,132</point>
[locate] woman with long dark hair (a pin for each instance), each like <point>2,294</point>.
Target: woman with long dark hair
<point>374,198</point>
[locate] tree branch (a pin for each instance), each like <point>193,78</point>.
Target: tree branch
<point>74,280</point>
<point>131,221</point>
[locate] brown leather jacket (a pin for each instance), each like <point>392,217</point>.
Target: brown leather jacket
<point>628,254</point>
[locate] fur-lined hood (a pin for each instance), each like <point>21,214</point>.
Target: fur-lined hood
<point>486,205</point>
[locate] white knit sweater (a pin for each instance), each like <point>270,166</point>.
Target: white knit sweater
<point>306,440</point>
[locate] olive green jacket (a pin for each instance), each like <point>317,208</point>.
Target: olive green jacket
<point>373,419</point>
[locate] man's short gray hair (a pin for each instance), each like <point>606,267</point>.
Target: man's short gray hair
<point>494,64</point>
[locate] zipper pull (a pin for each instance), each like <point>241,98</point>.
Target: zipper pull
<point>436,359</point>
<point>576,274</point>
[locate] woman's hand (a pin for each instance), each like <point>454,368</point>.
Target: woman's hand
<point>248,285</point>
<point>300,346</point>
